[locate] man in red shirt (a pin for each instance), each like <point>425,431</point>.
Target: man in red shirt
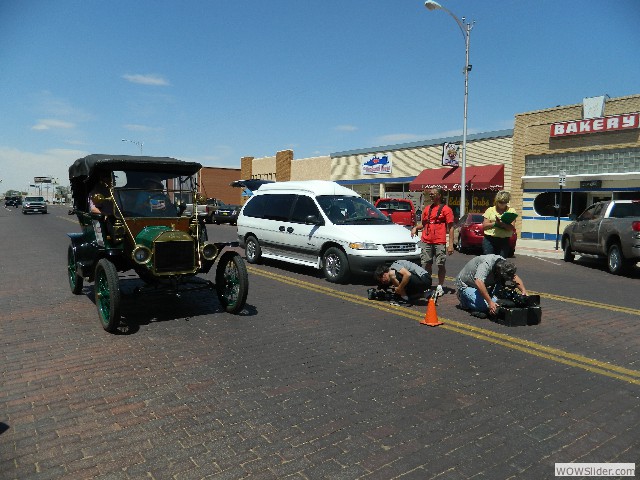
<point>436,223</point>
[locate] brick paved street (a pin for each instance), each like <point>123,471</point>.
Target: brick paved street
<point>308,383</point>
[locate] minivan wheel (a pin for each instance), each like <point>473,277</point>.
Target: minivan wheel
<point>335,265</point>
<point>252,249</point>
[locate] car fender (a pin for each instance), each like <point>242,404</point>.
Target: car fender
<point>87,254</point>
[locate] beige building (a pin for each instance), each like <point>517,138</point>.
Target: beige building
<point>596,144</point>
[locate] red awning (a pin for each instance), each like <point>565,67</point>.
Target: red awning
<point>488,177</point>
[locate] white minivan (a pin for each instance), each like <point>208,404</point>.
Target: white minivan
<point>322,225</point>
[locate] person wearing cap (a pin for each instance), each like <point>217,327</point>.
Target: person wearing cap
<point>151,199</point>
<point>477,282</point>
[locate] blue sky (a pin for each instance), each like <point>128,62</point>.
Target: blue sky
<point>213,81</point>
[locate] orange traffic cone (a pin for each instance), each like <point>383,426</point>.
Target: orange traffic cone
<point>431,317</point>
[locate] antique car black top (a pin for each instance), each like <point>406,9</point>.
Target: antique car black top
<point>130,211</point>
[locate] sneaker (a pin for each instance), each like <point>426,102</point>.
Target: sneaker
<point>439,291</point>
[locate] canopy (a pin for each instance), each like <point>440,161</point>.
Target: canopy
<point>86,167</point>
<point>488,177</point>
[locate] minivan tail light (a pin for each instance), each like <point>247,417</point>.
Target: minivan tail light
<point>635,226</point>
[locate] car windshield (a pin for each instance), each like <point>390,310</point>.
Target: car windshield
<point>34,199</point>
<point>350,210</point>
<point>151,194</point>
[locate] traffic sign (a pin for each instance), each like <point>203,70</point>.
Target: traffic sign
<point>562,178</point>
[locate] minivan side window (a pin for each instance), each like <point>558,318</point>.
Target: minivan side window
<point>278,206</point>
<point>255,206</point>
<point>304,207</point>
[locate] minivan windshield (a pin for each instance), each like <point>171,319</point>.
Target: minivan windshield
<point>350,210</point>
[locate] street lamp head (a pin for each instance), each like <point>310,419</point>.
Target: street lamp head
<point>431,5</point>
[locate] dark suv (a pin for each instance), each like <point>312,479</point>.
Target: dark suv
<point>12,202</point>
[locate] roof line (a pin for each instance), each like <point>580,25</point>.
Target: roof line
<point>425,143</point>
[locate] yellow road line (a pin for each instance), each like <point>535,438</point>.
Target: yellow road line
<point>532,348</point>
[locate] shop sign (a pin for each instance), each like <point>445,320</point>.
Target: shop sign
<point>590,183</point>
<point>596,125</point>
<point>376,165</point>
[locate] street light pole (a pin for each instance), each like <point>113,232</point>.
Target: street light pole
<point>133,141</point>
<point>465,28</point>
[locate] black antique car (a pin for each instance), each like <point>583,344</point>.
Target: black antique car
<point>130,211</point>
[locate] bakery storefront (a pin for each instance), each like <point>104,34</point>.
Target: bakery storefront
<point>406,170</point>
<point>572,156</point>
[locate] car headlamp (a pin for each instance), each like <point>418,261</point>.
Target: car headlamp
<point>209,251</point>
<point>363,246</point>
<point>141,254</point>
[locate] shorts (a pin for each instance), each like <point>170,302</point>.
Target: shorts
<point>430,250</point>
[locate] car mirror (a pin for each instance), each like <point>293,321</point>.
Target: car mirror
<point>313,220</point>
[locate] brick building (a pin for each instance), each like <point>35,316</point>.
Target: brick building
<point>214,182</point>
<point>596,144</point>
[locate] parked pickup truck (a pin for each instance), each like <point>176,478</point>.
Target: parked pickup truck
<point>398,210</point>
<point>204,208</point>
<point>608,229</point>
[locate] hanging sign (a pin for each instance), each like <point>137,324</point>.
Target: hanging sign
<point>450,154</point>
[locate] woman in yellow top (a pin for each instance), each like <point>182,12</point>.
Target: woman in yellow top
<point>496,231</point>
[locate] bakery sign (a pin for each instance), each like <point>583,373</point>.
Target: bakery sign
<point>612,123</point>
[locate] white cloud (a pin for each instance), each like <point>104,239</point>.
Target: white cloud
<point>346,128</point>
<point>19,167</point>
<point>52,123</point>
<point>149,79</point>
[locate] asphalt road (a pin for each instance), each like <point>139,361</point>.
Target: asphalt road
<point>312,380</point>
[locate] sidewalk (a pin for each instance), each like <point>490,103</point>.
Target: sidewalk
<point>538,248</point>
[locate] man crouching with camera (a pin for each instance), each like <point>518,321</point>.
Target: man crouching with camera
<point>409,280</point>
<point>482,275</point>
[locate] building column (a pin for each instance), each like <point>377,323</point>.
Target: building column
<point>283,165</point>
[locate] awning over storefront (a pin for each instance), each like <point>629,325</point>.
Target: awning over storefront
<point>488,177</point>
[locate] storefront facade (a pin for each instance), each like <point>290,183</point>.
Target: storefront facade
<point>389,171</point>
<point>594,147</point>
<point>595,144</point>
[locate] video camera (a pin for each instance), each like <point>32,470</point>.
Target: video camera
<point>516,309</point>
<point>380,294</point>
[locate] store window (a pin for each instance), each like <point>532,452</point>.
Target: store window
<point>546,204</point>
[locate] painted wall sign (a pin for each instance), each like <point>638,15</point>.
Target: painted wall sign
<point>596,125</point>
<point>376,164</point>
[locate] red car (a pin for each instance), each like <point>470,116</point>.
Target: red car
<point>400,211</point>
<point>468,234</point>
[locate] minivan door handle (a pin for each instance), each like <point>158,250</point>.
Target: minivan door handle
<point>290,229</point>
<point>281,228</point>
